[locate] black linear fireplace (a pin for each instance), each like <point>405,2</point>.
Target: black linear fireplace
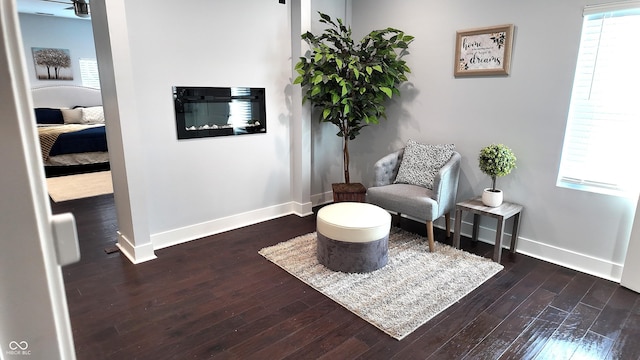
<point>216,111</point>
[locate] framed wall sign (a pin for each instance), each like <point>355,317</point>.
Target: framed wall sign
<point>483,51</point>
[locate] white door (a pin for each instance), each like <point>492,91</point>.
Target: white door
<point>631,271</point>
<point>34,319</point>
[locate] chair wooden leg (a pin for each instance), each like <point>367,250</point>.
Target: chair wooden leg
<point>396,219</point>
<point>432,245</point>
<point>447,218</point>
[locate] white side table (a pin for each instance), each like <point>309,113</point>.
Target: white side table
<point>502,213</point>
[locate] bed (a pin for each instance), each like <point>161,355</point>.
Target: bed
<point>71,127</point>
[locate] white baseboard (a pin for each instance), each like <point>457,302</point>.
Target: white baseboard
<point>553,254</point>
<point>135,254</point>
<point>302,209</point>
<point>198,231</point>
<point>563,257</point>
<point>322,198</point>
<point>570,259</point>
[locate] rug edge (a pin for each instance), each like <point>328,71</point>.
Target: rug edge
<point>491,274</point>
<point>497,270</point>
<point>323,294</point>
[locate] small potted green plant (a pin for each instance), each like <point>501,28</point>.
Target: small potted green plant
<point>495,160</point>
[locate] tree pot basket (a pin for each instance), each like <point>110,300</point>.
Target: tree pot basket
<point>354,192</point>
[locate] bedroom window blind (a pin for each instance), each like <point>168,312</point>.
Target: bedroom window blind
<point>601,138</point>
<point>89,73</point>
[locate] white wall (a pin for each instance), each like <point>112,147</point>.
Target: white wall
<point>60,33</point>
<point>526,110</point>
<point>201,186</point>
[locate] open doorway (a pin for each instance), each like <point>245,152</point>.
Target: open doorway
<point>61,63</point>
<point>74,147</point>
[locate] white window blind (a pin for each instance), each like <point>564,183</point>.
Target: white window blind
<point>601,145</point>
<point>89,73</point>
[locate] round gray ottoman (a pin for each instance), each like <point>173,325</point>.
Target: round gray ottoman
<point>353,237</point>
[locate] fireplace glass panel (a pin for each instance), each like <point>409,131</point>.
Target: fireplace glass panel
<point>205,111</point>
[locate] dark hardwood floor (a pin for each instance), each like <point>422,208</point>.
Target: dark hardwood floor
<point>217,298</point>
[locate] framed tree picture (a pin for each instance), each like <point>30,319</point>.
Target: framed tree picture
<point>483,51</point>
<point>52,64</point>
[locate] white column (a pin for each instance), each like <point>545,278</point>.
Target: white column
<point>300,129</point>
<point>110,32</point>
<point>631,271</point>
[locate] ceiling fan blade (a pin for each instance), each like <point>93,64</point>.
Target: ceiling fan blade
<point>80,7</point>
<point>59,2</point>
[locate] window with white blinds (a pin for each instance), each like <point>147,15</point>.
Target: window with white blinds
<point>89,73</point>
<point>601,151</point>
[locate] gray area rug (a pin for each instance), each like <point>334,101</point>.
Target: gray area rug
<point>415,285</point>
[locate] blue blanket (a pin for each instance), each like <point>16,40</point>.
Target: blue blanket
<point>88,140</point>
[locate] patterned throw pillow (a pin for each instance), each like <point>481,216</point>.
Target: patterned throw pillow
<point>92,115</point>
<point>421,162</point>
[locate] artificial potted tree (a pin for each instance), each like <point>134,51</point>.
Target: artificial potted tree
<point>350,81</point>
<point>495,160</point>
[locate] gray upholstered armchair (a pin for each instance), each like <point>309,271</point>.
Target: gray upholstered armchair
<point>413,200</point>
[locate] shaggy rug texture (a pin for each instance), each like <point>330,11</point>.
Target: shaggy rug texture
<point>410,290</point>
<point>71,187</point>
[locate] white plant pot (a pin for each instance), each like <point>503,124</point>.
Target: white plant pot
<point>492,198</point>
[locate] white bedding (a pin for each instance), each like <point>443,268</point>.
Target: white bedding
<point>78,159</point>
